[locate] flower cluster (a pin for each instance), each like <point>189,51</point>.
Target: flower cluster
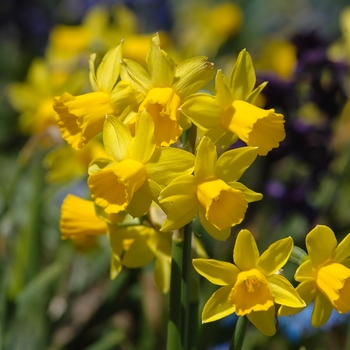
<point>162,133</point>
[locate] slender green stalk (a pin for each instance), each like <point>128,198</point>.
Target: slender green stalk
<point>174,322</point>
<point>186,284</point>
<point>239,334</point>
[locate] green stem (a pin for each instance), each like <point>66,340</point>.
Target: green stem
<point>174,323</point>
<point>239,334</point>
<point>186,282</point>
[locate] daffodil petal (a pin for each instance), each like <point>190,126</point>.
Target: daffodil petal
<point>161,67</point>
<point>249,194</point>
<point>218,306</point>
<point>264,321</point>
<point>306,291</point>
<point>109,69</point>
<point>342,251</point>
<point>116,139</point>
<point>217,272</point>
<point>143,144</point>
<point>182,211</point>
<point>140,202</point>
<point>322,310</point>
<point>205,161</point>
<point>139,254</point>
<point>182,185</point>
<point>284,292</point>
<point>245,253</point>
<point>134,73</point>
<point>220,235</point>
<point>242,78</point>
<point>320,243</point>
<point>305,272</point>
<point>192,74</point>
<point>232,164</point>
<point>203,111</point>
<point>276,256</point>
<point>98,164</point>
<point>168,163</point>
<point>223,94</point>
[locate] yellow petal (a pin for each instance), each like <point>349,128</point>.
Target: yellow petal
<point>117,139</point>
<point>218,306</point>
<point>276,256</point>
<point>284,292</point>
<point>135,74</point>
<point>168,163</point>
<point>342,251</point>
<point>181,186</point>
<point>140,202</point>
<point>232,164</point>
<point>217,272</point>
<point>113,188</point>
<point>225,207</point>
<point>242,78</point>
<point>255,126</point>
<point>203,111</point>
<point>223,95</point>
<point>264,321</point>
<point>205,162</point>
<point>163,106</point>
<point>250,195</point>
<point>251,292</point>
<point>78,217</point>
<point>220,235</point>
<point>160,66</point>
<point>245,253</point>
<point>322,310</point>
<point>320,243</point>
<point>192,74</point>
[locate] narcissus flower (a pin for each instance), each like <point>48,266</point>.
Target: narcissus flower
<point>131,246</point>
<point>324,276</point>
<point>136,169</point>
<point>252,286</point>
<point>81,117</point>
<point>231,112</point>
<point>164,88</point>
<point>212,192</point>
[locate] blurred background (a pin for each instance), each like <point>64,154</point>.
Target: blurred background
<point>57,294</point>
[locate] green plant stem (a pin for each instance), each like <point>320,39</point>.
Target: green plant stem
<point>186,284</point>
<point>239,333</point>
<point>174,322</point>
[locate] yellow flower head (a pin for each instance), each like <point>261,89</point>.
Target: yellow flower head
<point>80,118</point>
<point>324,276</point>
<point>212,192</point>
<point>232,112</point>
<point>136,169</point>
<point>252,286</point>
<point>164,86</point>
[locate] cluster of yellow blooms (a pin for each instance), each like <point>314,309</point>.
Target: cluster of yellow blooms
<point>143,115</point>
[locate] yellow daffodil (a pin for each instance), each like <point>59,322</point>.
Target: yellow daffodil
<point>231,111</point>
<point>138,245</point>
<point>164,87</point>
<point>136,169</point>
<point>252,286</point>
<point>131,246</point>
<point>324,276</point>
<point>81,117</point>
<point>212,192</point>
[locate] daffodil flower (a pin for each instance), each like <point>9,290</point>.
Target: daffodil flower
<point>252,286</point>
<point>131,246</point>
<point>164,88</point>
<point>80,118</point>
<point>212,192</point>
<point>231,112</point>
<point>136,169</point>
<point>324,276</point>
